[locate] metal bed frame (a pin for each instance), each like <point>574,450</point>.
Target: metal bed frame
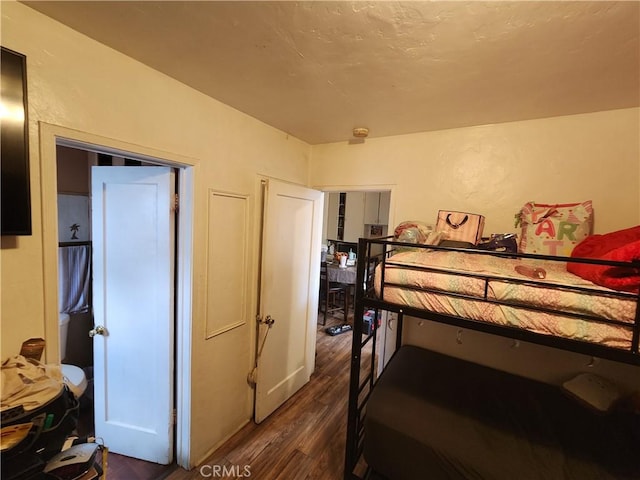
<point>362,381</point>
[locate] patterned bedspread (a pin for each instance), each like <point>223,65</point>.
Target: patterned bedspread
<point>491,272</point>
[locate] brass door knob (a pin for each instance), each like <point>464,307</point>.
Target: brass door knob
<point>98,330</point>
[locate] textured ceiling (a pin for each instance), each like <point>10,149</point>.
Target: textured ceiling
<point>317,69</point>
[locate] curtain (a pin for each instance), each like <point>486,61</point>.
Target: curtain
<point>74,274</point>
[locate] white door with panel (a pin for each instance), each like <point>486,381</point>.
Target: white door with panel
<point>376,208</point>
<point>371,207</point>
<point>133,296</point>
<point>354,216</point>
<point>289,293</point>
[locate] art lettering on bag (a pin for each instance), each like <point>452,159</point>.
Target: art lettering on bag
<point>554,229</point>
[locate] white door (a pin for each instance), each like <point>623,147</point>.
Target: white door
<point>289,293</point>
<point>133,258</point>
<point>354,216</point>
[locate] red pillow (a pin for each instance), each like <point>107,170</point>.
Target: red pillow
<point>622,246</point>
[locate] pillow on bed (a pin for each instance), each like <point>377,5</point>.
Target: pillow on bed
<point>554,229</point>
<point>620,246</point>
<point>417,232</point>
<point>593,390</point>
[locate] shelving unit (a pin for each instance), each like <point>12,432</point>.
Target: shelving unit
<point>341,214</point>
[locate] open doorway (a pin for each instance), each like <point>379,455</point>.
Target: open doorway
<point>53,137</point>
<point>107,257</point>
<point>350,213</point>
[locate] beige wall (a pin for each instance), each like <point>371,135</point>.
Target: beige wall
<point>495,169</point>
<point>76,83</point>
<point>546,364</point>
<point>79,84</point>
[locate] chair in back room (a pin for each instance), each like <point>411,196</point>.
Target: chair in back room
<point>334,296</point>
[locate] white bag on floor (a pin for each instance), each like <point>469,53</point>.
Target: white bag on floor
<point>29,383</point>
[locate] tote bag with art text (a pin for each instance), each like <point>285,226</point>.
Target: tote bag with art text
<point>554,229</point>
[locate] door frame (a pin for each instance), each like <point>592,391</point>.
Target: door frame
<point>50,137</point>
<point>391,222</point>
<point>384,187</point>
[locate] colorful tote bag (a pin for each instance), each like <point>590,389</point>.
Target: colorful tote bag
<point>460,226</point>
<point>554,229</point>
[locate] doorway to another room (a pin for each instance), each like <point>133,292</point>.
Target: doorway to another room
<point>78,224</point>
<point>67,157</point>
<point>349,215</point>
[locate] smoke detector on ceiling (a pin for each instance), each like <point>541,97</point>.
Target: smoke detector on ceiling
<point>360,132</point>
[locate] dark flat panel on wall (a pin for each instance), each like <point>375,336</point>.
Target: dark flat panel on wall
<point>14,142</point>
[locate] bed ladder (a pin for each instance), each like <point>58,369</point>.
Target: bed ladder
<point>362,380</point>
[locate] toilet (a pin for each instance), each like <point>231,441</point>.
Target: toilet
<point>74,376</point>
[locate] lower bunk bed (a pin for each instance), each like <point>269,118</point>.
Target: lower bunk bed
<point>432,416</point>
<point>436,417</point>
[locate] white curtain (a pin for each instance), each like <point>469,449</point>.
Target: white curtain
<point>74,274</point>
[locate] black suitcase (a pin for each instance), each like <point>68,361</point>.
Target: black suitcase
<point>52,422</point>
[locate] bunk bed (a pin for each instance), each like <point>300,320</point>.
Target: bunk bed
<point>416,416</point>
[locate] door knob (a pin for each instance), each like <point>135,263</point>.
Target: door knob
<point>268,321</point>
<point>98,330</point>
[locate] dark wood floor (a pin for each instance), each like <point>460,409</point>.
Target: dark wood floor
<point>303,439</point>
<point>120,467</point>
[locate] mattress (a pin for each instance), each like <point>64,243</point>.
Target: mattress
<point>487,276</point>
<point>437,417</point>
